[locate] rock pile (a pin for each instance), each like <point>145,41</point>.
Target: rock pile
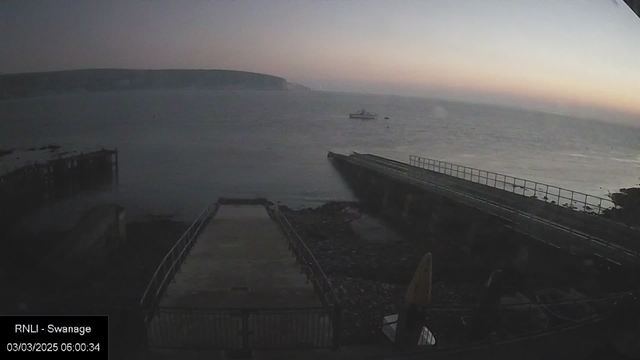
<point>370,278</point>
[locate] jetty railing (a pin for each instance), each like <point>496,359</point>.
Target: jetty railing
<point>569,198</point>
<point>313,272</point>
<point>536,217</point>
<point>171,263</point>
<point>555,225</point>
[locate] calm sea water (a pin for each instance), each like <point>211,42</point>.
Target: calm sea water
<point>183,149</point>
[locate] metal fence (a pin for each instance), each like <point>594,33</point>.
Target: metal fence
<point>313,272</point>
<point>172,262</point>
<point>241,329</point>
<point>558,226</point>
<point>553,194</point>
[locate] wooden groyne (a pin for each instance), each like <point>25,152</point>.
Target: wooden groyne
<point>29,186</point>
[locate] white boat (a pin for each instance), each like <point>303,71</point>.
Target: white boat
<point>362,114</point>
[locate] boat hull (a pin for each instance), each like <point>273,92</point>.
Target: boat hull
<point>364,117</point>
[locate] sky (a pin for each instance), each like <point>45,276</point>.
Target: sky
<point>576,53</point>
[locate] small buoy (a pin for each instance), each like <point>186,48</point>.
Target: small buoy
<point>387,127</point>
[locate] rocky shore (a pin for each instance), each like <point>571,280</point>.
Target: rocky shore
<point>370,267</point>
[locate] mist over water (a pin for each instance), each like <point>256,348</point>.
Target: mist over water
<point>180,150</point>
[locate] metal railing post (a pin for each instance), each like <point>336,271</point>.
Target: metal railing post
<point>571,201</point>
<point>600,207</point>
<point>576,220</point>
<point>245,329</point>
<point>337,326</point>
<point>170,265</point>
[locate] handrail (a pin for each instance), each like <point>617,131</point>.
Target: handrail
<point>308,251</point>
<point>499,209</point>
<point>587,217</point>
<point>313,272</point>
<point>492,179</point>
<point>176,256</point>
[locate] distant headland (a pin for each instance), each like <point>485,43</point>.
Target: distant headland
<point>15,86</point>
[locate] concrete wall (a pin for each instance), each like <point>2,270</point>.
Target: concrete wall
<point>417,211</point>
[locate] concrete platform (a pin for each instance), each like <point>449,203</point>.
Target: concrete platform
<point>241,260</point>
<point>240,277</point>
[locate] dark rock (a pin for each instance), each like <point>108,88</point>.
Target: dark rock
<point>6,152</point>
<point>627,208</point>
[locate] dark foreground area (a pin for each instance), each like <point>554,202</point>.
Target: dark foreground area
<point>370,263</point>
<point>370,268</point>
<point>127,272</point>
<point>121,278</point>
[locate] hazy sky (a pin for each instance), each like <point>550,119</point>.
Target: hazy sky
<point>578,51</point>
